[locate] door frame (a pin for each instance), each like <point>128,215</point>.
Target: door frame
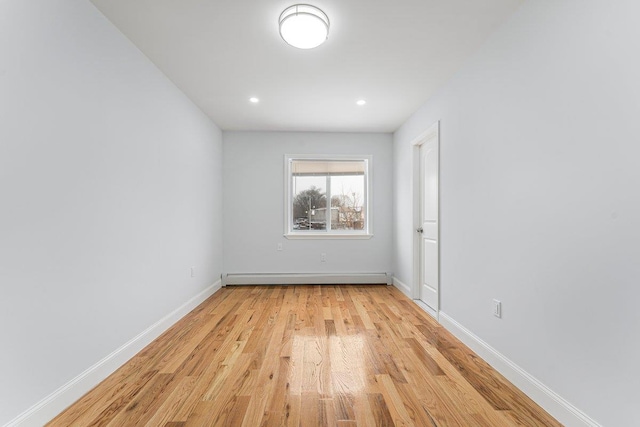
<point>432,133</point>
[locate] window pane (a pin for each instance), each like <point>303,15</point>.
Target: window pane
<point>347,199</point>
<point>309,203</point>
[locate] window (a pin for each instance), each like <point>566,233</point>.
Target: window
<point>327,197</point>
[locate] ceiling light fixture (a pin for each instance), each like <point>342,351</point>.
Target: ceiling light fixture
<point>361,102</point>
<point>304,26</point>
<point>254,100</point>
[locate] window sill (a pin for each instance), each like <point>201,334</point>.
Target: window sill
<point>325,236</point>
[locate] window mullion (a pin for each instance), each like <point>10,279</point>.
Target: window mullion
<point>293,185</point>
<point>328,211</point>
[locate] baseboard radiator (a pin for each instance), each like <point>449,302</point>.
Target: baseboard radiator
<point>306,279</point>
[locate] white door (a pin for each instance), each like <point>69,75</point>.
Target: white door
<point>428,229</point>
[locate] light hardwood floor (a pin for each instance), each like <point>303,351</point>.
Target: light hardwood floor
<point>308,356</point>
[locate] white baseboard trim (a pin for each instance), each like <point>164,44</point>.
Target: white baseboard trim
<point>306,278</point>
<point>49,407</point>
<point>549,400</point>
<point>404,288</point>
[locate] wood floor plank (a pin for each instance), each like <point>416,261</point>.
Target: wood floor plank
<point>337,355</point>
<point>172,404</point>
<point>146,403</point>
<point>420,416</point>
<point>394,402</point>
<point>380,411</point>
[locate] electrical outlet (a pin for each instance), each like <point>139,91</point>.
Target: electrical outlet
<point>323,257</point>
<point>497,308</point>
<point>279,247</point>
<point>193,272</point>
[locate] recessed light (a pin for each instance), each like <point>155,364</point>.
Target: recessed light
<point>361,102</point>
<point>254,100</point>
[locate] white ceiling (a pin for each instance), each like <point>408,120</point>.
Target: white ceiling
<point>392,53</point>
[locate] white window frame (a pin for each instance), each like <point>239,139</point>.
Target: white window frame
<point>290,233</point>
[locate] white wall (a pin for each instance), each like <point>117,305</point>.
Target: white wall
<point>110,189</point>
<point>540,201</point>
<point>254,205</point>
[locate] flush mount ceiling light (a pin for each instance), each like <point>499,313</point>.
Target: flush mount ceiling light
<point>254,100</point>
<point>361,102</point>
<point>304,26</point>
